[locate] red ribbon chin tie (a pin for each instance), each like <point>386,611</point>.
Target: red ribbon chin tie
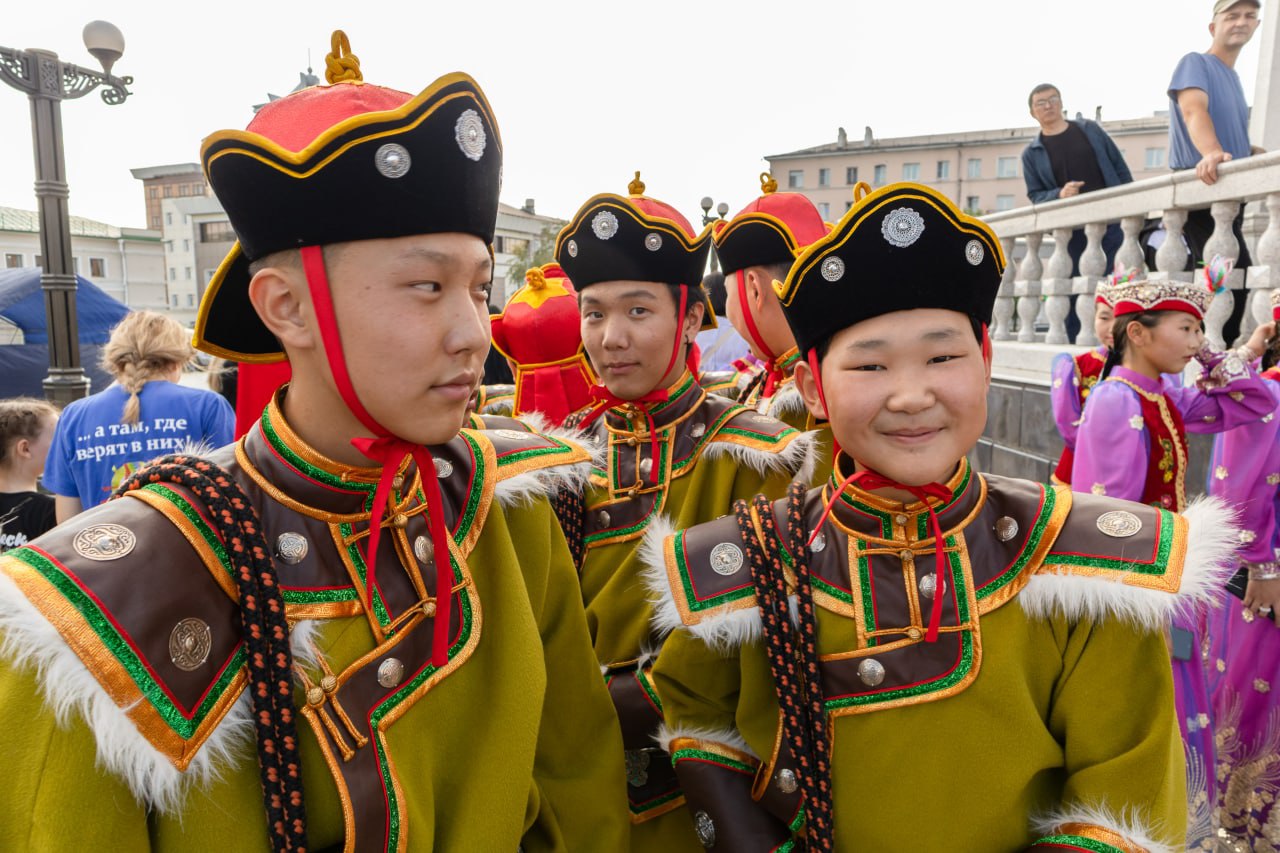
<point>388,450</point>
<point>773,372</point>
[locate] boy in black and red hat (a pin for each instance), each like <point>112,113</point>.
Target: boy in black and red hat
<point>342,585</point>
<point>916,656</point>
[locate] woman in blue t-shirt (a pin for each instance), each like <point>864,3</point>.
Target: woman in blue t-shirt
<point>143,415</point>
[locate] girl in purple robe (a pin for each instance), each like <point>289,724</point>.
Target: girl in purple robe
<point>1132,444</point>
<point>1245,640</point>
<point>1074,377</point>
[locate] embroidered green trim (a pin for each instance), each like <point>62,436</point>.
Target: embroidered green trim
<point>922,520</point>
<point>690,596</point>
<point>712,430</point>
<point>835,592</point>
<point>390,703</point>
<point>642,678</point>
<point>473,498</point>
<point>357,560</point>
<point>1076,842</point>
<point>318,474</point>
<point>942,682</point>
<point>886,520</point>
<point>1156,566</point>
<point>1049,499</point>
<point>114,642</point>
<point>693,754</point>
<point>650,805</point>
<point>863,568</point>
<point>673,397</point>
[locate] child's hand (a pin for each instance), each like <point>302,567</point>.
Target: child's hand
<point>1258,340</point>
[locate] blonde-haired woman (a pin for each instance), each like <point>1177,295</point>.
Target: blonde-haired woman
<point>143,415</point>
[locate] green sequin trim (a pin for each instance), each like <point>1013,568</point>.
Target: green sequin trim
<point>886,520</point>
<point>712,758</point>
<point>1033,541</point>
<point>318,474</point>
<point>1078,842</point>
<point>758,436</point>
<point>647,686</point>
<point>868,602</point>
<point>473,499</point>
<point>835,592</point>
<point>390,703</point>
<point>120,649</point>
<point>357,560</point>
<point>674,396</point>
<point>653,804</point>
<point>686,582</point>
<point>1158,566</point>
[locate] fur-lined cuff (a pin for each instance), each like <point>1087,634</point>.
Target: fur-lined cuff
<point>708,738</point>
<point>797,458</point>
<point>1086,827</point>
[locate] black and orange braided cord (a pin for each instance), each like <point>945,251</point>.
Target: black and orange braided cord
<point>793,656</point>
<point>265,631</point>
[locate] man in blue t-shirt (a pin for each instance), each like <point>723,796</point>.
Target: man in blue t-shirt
<point>1208,114</point>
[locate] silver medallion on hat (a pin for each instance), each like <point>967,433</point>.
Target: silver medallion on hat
<point>104,542</point>
<point>902,227</point>
<point>469,132</point>
<point>604,225</point>
<point>974,252</point>
<point>392,160</point>
<point>653,241</point>
<point>572,248</point>
<point>832,269</point>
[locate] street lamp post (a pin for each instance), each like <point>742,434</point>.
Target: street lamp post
<point>47,82</point>
<point>722,209</point>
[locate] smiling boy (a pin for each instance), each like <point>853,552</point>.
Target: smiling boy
<point>673,455</point>
<point>916,656</point>
<point>330,586</point>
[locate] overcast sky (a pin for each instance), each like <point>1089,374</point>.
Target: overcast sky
<point>692,93</point>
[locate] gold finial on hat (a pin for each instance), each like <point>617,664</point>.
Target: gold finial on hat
<point>636,187</point>
<point>860,191</point>
<point>768,185</point>
<point>535,279</point>
<point>341,65</point>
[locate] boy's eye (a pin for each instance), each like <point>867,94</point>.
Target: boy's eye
<point>939,359</point>
<point>868,367</point>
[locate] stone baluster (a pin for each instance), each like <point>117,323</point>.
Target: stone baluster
<point>1171,257</point>
<point>1093,267</point>
<point>1131,256</point>
<point>1223,242</point>
<point>1057,286</point>
<point>1027,288</point>
<point>1264,275</point>
<point>1002,315</point>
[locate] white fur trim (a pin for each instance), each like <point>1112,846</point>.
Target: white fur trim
<point>587,439</point>
<point>729,737</point>
<point>787,402</point>
<point>546,482</point>
<point>653,573</point>
<point>1128,823</point>
<point>29,641</point>
<point>797,458</point>
<point>1212,540</point>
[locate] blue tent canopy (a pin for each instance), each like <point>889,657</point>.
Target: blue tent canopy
<point>24,366</point>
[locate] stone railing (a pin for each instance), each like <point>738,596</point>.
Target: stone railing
<point>1169,196</point>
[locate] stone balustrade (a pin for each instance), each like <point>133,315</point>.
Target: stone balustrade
<point>1170,196</point>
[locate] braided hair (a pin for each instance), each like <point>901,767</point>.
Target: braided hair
<point>144,346</point>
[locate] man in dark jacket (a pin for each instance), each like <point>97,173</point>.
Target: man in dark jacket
<point>1068,158</point>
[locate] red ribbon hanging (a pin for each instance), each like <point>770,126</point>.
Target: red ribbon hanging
<point>387,450</point>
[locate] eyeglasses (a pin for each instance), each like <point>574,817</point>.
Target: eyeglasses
<point>1049,102</point>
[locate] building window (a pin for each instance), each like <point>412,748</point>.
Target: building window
<point>824,177</point>
<point>847,205</point>
<point>12,261</point>
<point>174,300</point>
<point>168,190</point>
<point>1154,158</point>
<point>40,261</point>
<point>152,192</point>
<point>216,232</point>
<point>173,275</point>
<point>186,220</point>
<point>1004,202</point>
<point>944,170</point>
<point>975,167</point>
<point>182,189</point>
<point>155,222</point>
<point>910,171</point>
<point>824,210</point>
<point>1006,167</point>
<point>186,245</point>
<point>98,267</point>
<point>188,273</point>
<point>851,175</point>
<point>880,174</point>
<point>197,189</point>
<point>168,219</point>
<point>972,204</point>
<point>191,300</point>
<point>795,179</point>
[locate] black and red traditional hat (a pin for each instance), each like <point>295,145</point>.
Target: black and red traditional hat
<point>634,238</point>
<point>343,162</point>
<point>902,247</point>
<point>772,229</point>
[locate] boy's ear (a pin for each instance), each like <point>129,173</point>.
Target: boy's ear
<point>22,447</point>
<point>278,295</point>
<point>808,388</point>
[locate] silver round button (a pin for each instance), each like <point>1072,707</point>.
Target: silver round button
<point>787,783</point>
<point>291,548</point>
<point>390,671</point>
<point>871,671</point>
